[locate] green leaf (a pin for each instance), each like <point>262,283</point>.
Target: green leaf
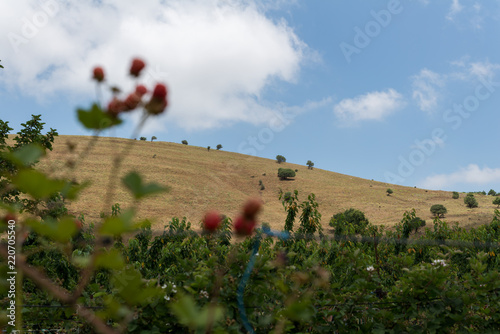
<point>112,259</point>
<point>61,230</point>
<point>26,155</point>
<point>96,118</point>
<point>188,313</point>
<point>71,190</point>
<point>117,225</point>
<point>130,286</point>
<point>134,183</point>
<point>37,184</point>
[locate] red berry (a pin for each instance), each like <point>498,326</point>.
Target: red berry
<point>244,226</point>
<point>98,74</point>
<point>132,101</point>
<point>141,90</point>
<point>212,221</point>
<point>158,101</point>
<point>137,66</point>
<point>252,207</point>
<point>116,106</point>
<point>160,92</point>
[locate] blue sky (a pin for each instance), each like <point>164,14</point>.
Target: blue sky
<point>404,92</point>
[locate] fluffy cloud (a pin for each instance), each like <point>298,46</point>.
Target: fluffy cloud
<point>370,106</point>
<point>472,175</point>
<point>218,57</point>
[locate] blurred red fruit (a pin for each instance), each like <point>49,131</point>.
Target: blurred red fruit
<point>116,106</point>
<point>160,92</point>
<point>141,90</point>
<point>98,74</point>
<point>137,66</point>
<point>78,224</point>
<point>244,226</point>
<point>212,221</point>
<point>132,101</point>
<point>158,101</point>
<point>252,207</point>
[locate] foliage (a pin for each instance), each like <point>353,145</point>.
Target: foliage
<point>143,138</point>
<point>310,164</point>
<point>185,142</point>
<point>351,221</point>
<point>496,201</point>
<point>280,159</point>
<point>289,201</point>
<point>438,210</point>
<point>492,192</point>
<point>153,138</point>
<point>470,201</point>
<point>285,173</point>
<point>389,191</point>
<point>219,146</point>
<point>455,195</point>
<point>208,148</point>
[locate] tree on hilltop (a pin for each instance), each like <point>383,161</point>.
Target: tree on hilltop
<point>310,164</point>
<point>280,159</point>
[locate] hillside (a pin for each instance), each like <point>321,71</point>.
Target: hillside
<point>202,180</point>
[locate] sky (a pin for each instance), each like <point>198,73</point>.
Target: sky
<point>404,92</point>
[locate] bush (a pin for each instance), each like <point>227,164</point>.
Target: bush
<point>280,159</point>
<point>496,201</point>
<point>208,148</point>
<point>262,187</point>
<point>153,138</point>
<point>389,191</point>
<point>470,201</point>
<point>219,146</point>
<point>492,192</point>
<point>284,173</point>
<point>438,210</point>
<point>143,138</point>
<point>455,195</point>
<point>296,170</point>
<point>354,217</point>
<point>185,142</point>
<point>310,164</point>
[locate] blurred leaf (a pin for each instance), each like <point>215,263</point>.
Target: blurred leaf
<point>26,155</point>
<point>61,230</point>
<point>112,259</point>
<point>37,184</point>
<point>116,225</point>
<point>71,190</point>
<point>96,118</point>
<point>134,183</point>
<point>130,286</point>
<point>190,315</point>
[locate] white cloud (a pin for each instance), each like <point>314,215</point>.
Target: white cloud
<point>218,57</point>
<point>472,175</point>
<point>483,69</point>
<point>455,8</point>
<point>370,106</point>
<point>425,91</point>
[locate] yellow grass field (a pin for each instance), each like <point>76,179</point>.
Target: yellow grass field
<point>202,180</point>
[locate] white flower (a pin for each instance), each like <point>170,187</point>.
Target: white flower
<point>257,254</point>
<point>439,262</point>
<point>166,297</point>
<point>163,286</point>
<point>370,268</point>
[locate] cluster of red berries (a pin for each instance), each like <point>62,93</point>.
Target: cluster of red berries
<point>244,224</point>
<point>156,105</point>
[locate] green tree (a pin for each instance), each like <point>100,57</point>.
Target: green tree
<point>355,218</point>
<point>185,142</point>
<point>143,138</point>
<point>455,195</point>
<point>208,148</point>
<point>496,201</point>
<point>438,210</point>
<point>389,191</point>
<point>492,192</point>
<point>280,159</point>
<point>219,146</point>
<point>285,173</point>
<point>153,138</point>
<point>470,201</point>
<point>1,65</point>
<point>310,164</point>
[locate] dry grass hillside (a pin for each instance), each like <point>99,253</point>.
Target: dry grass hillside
<point>202,180</point>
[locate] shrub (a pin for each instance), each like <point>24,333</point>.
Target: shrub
<point>296,170</point>
<point>208,148</point>
<point>262,187</point>
<point>143,138</point>
<point>455,195</point>
<point>310,164</point>
<point>219,146</point>
<point>354,217</point>
<point>492,192</point>
<point>496,201</point>
<point>153,138</point>
<point>280,159</point>
<point>470,201</point>
<point>185,142</point>
<point>438,210</point>
<point>284,173</point>
<point>389,191</point>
